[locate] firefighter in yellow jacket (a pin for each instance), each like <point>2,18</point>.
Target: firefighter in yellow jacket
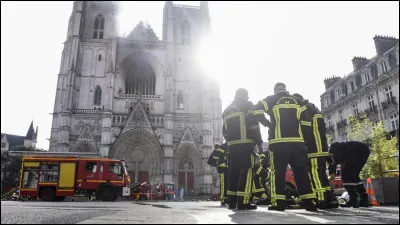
<point>314,132</point>
<point>220,155</point>
<point>286,145</point>
<point>242,137</point>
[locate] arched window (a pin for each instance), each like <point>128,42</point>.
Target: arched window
<point>98,29</point>
<point>141,79</point>
<point>97,96</point>
<point>180,100</point>
<point>185,29</point>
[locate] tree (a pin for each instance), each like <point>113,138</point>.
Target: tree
<point>382,146</point>
<point>10,169</point>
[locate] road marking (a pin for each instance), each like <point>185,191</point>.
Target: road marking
<point>315,219</point>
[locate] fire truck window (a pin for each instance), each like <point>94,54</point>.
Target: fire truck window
<point>101,167</point>
<point>30,178</point>
<point>91,167</point>
<point>115,168</point>
<point>49,172</point>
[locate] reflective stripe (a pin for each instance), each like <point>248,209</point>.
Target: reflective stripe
<point>243,194</point>
<point>321,154</point>
<point>315,177</point>
<point>352,184</point>
<point>221,184</point>
<point>258,190</point>
<point>286,106</point>
<point>254,127</point>
<point>259,170</point>
<point>244,141</point>
<point>233,193</point>
<point>243,134</point>
<point>263,195</point>
<point>305,123</point>
<point>303,108</point>
<point>278,125</point>
<point>316,134</point>
<point>234,115</point>
<point>220,150</point>
<point>215,157</point>
<point>222,165</point>
<point>265,105</point>
<point>308,196</point>
<point>272,179</point>
<point>280,197</point>
<point>280,140</point>
<point>318,116</point>
<point>257,112</point>
<point>328,188</point>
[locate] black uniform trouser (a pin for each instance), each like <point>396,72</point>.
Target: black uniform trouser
<point>240,178</point>
<point>296,155</point>
<point>350,171</point>
<point>223,184</point>
<point>319,178</point>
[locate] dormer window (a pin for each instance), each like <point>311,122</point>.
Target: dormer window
<point>355,109</point>
<point>384,68</point>
<point>98,29</point>
<point>366,77</point>
<point>3,145</point>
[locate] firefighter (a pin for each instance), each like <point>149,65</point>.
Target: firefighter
<point>219,160</point>
<point>260,174</point>
<point>314,133</point>
<point>286,145</point>
<point>241,136</point>
<point>352,156</point>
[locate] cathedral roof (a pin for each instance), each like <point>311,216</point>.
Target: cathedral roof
<point>31,132</point>
<point>143,32</point>
<point>13,140</point>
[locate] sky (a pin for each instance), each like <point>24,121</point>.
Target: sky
<point>256,44</point>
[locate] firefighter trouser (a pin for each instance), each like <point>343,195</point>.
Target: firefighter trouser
<point>296,155</point>
<point>258,191</point>
<point>319,178</point>
<point>240,178</point>
<point>350,172</point>
<point>223,184</point>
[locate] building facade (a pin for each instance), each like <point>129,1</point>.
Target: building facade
<point>10,141</point>
<point>139,98</point>
<point>371,89</point>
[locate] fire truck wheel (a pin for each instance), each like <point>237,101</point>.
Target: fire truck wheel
<point>47,194</point>
<point>106,193</point>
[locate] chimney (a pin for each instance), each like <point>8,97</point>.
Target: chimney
<point>358,62</point>
<point>330,81</point>
<point>384,43</point>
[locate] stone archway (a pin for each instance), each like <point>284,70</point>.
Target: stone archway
<point>188,169</point>
<point>142,153</point>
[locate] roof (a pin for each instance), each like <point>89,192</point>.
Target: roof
<point>143,32</point>
<point>31,132</point>
<point>13,140</point>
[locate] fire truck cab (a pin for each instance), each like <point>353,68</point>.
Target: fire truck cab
<point>54,178</point>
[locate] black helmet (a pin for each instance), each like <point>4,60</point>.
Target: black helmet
<point>242,93</point>
<point>298,96</point>
<point>279,87</point>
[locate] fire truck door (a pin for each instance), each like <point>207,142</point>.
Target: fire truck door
<point>67,175</point>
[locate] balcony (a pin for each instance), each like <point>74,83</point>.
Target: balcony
<point>135,96</point>
<point>341,124</point>
<point>389,103</point>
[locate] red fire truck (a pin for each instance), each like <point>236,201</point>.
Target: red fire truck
<point>54,178</point>
<point>146,191</point>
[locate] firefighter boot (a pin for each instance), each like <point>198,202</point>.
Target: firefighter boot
<point>353,202</point>
<point>247,206</point>
<point>332,203</point>
<point>280,206</point>
<point>364,200</point>
<point>308,205</point>
<point>232,202</point>
<point>363,195</point>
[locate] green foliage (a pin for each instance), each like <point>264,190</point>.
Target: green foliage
<point>23,148</point>
<point>382,147</point>
<point>10,167</point>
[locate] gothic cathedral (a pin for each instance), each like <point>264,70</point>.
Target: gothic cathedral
<point>139,98</point>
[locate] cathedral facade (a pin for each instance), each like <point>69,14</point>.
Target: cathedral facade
<point>139,98</point>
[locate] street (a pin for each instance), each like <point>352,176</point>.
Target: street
<point>189,212</point>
